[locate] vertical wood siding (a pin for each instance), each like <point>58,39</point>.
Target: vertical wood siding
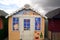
<point>13,35</point>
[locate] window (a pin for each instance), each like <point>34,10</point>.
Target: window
<point>26,24</point>
<point>1,24</point>
<point>37,23</point>
<point>15,23</point>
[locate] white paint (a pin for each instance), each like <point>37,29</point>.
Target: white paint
<point>26,34</point>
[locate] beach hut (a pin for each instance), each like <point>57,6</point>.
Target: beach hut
<point>26,24</point>
<point>54,24</point>
<point>3,25</point>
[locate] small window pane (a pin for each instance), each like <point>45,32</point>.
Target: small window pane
<point>15,23</point>
<point>37,23</point>
<point>26,24</point>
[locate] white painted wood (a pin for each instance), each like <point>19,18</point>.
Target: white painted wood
<point>26,34</point>
<point>18,15</point>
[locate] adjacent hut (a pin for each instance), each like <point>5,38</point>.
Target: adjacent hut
<point>3,25</point>
<point>54,24</point>
<point>26,24</point>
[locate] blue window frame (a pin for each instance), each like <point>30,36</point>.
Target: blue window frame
<point>37,23</point>
<point>26,24</point>
<point>15,23</point>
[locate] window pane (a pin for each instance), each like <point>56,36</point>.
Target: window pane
<point>37,23</point>
<point>26,24</point>
<point>15,23</point>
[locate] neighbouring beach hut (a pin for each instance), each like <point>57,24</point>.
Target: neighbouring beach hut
<point>54,24</point>
<point>3,25</point>
<point>26,24</point>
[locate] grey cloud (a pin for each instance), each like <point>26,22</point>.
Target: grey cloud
<point>47,5</point>
<point>53,3</point>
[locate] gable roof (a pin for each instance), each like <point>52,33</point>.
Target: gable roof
<point>53,13</point>
<point>25,8</point>
<point>2,13</point>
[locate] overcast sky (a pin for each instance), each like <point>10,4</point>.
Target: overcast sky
<point>43,6</point>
